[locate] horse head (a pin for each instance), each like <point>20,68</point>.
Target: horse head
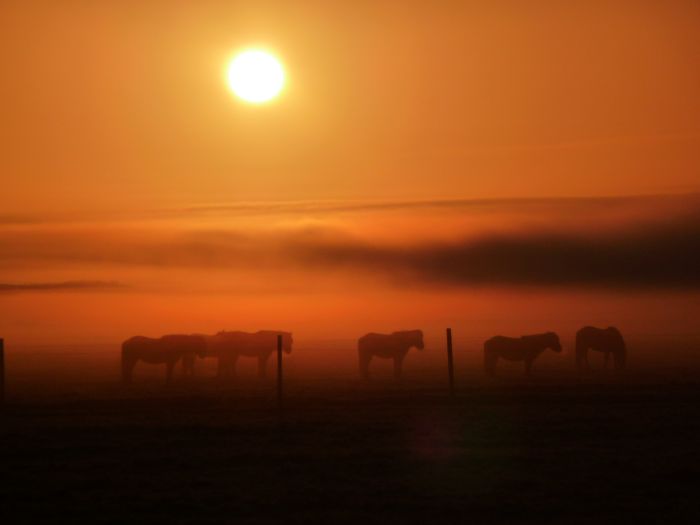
<point>417,339</point>
<point>618,347</point>
<point>554,342</point>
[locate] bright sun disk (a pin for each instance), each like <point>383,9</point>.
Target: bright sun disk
<point>255,76</point>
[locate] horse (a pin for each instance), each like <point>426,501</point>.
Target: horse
<point>167,350</point>
<point>526,348</point>
<point>607,340</point>
<point>389,346</point>
<point>229,346</point>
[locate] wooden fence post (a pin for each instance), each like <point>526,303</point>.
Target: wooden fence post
<point>279,372</point>
<point>2,371</point>
<point>450,364</point>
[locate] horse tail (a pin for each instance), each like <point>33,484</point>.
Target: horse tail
<point>490,358</point>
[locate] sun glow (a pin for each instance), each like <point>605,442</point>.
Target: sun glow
<point>256,76</point>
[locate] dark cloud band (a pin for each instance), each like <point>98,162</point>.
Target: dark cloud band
<point>659,253</point>
<point>60,286</point>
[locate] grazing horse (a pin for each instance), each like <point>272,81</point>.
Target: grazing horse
<point>390,346</point>
<point>525,348</point>
<point>167,350</point>
<point>607,340</point>
<point>229,346</point>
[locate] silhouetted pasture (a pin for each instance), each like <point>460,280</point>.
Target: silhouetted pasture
<point>496,454</point>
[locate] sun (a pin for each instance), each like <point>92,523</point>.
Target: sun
<point>255,75</point>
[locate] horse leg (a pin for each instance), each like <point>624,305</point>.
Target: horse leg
<point>490,360</point>
<point>528,367</point>
<point>619,359</point>
<point>224,366</point>
<point>492,365</point>
<point>398,365</point>
<point>579,357</point>
<point>582,359</point>
<point>188,366</point>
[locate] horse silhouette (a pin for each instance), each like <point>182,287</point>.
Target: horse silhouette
<point>526,348</point>
<point>389,346</point>
<point>607,340</point>
<point>167,350</point>
<point>229,346</point>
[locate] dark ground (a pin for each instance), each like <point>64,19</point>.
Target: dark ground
<point>503,453</point>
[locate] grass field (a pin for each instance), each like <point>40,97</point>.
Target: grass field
<point>535,452</point>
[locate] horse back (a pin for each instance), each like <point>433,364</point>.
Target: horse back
<point>137,344</point>
<point>166,348</point>
<point>370,339</point>
<point>602,339</point>
<point>500,342</point>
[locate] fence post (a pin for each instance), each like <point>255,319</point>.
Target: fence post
<point>450,364</point>
<point>279,371</point>
<point>2,371</point>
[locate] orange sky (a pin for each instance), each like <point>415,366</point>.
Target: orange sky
<point>407,136</point>
<point>113,104</point>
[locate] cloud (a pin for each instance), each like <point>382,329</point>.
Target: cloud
<point>654,257</point>
<point>12,220</point>
<point>498,205</point>
<point>663,252</point>
<point>321,208</point>
<point>59,286</point>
